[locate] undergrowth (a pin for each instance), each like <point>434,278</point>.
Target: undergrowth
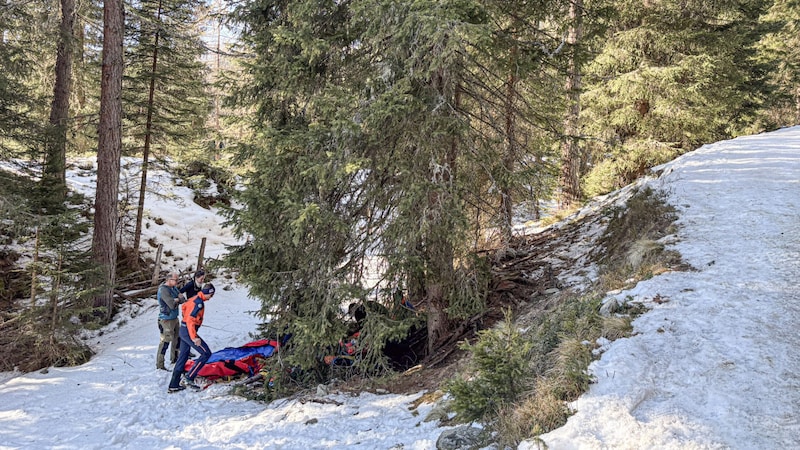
<point>46,278</point>
<point>551,358</point>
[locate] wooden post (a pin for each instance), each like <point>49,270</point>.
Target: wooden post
<point>157,269</point>
<point>33,268</point>
<point>202,251</point>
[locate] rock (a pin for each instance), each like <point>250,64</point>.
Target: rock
<point>461,438</point>
<point>609,307</point>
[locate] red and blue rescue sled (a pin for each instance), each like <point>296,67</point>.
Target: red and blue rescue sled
<point>232,362</point>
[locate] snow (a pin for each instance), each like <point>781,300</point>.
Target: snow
<point>714,364</point>
<point>120,400</point>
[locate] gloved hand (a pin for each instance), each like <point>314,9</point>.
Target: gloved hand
<point>181,298</point>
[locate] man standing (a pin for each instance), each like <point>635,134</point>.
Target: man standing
<point>193,311</point>
<point>169,299</point>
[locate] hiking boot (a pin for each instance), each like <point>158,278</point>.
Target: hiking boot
<point>185,381</point>
<point>175,389</point>
<point>161,367</point>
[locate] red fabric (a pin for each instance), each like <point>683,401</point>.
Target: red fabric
<point>232,361</point>
<point>219,369</point>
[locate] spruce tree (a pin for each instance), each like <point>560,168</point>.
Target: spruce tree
<point>163,54</point>
<point>17,107</point>
<point>779,51</point>
<point>670,77</point>
<point>383,133</point>
<point>300,196</point>
<point>54,172</point>
<point>355,161</point>
<point>165,89</point>
<point>515,104</point>
<point>109,151</point>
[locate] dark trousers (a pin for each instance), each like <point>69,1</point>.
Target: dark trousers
<point>183,355</point>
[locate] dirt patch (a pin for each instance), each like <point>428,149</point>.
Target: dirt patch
<point>416,379</point>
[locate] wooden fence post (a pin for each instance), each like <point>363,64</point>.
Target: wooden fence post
<point>33,268</point>
<point>157,269</point>
<point>200,256</point>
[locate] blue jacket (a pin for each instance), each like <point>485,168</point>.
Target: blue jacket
<point>168,302</point>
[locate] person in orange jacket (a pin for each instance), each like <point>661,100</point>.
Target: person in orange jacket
<point>192,312</point>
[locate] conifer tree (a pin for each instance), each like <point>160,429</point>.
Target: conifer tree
<point>670,76</point>
<point>383,133</point>
<point>17,126</point>
<point>54,176</point>
<point>165,89</point>
<point>109,150</point>
<point>779,50</point>
<point>360,138</point>
<point>569,183</point>
<point>515,104</point>
<point>299,198</point>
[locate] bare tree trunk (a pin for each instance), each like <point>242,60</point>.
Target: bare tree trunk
<point>54,178</point>
<point>109,150</point>
<point>570,151</point>
<point>217,77</point>
<point>137,234</point>
<point>510,156</point>
<point>54,292</point>
<point>797,106</point>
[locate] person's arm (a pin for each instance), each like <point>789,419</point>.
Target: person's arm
<point>168,297</point>
<point>189,284</point>
<point>191,319</point>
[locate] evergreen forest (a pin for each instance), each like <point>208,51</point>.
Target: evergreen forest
<point>369,152</point>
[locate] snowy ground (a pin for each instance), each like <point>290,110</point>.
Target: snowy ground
<point>716,366</point>
<point>120,400</point>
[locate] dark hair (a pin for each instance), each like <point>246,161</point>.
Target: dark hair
<point>199,273</point>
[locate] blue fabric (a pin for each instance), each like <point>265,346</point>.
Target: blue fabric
<point>198,305</point>
<point>236,353</point>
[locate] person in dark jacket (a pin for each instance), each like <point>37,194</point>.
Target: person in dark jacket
<point>169,300</point>
<point>193,286</point>
<point>192,311</point>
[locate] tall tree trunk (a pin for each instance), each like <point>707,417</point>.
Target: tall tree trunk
<point>510,156</point>
<point>137,234</point>
<point>797,106</point>
<point>109,151</point>
<point>438,247</point>
<point>216,78</point>
<point>54,177</point>
<point>570,151</point>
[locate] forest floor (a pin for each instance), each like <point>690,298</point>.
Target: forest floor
<point>529,277</point>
